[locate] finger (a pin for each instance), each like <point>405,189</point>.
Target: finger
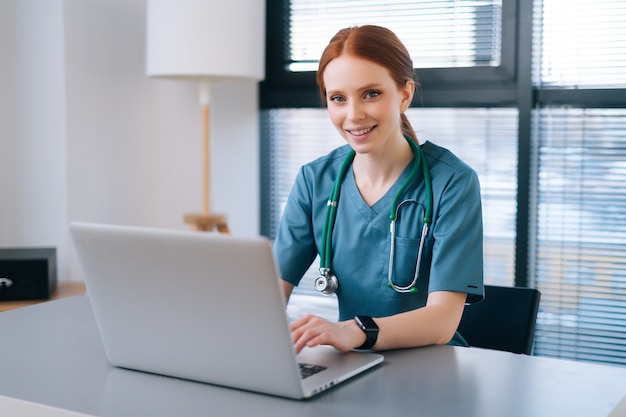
<point>310,334</point>
<point>304,340</point>
<point>310,339</point>
<point>324,334</point>
<point>299,322</point>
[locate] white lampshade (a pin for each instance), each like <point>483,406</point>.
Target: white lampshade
<point>206,40</point>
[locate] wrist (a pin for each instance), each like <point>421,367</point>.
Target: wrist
<point>369,327</point>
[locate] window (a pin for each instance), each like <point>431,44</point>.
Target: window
<point>583,43</point>
<point>580,149</point>
<point>542,120</point>
<point>440,34</point>
<point>581,233</point>
<point>464,44</point>
<point>485,138</point>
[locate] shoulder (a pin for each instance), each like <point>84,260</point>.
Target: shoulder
<point>450,175</point>
<point>443,159</point>
<point>327,165</point>
<point>315,178</point>
<point>447,169</point>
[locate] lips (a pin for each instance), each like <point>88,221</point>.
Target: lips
<point>360,132</point>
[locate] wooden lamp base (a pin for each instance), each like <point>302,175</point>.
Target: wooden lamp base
<point>207,222</point>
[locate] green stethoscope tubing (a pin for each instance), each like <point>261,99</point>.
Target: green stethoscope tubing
<point>331,215</point>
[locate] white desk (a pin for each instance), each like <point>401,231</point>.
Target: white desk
<point>51,354</point>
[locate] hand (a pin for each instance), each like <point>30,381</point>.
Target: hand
<point>312,330</point>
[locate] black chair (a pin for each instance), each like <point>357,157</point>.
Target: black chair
<point>504,320</point>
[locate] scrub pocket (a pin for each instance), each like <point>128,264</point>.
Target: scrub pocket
<point>405,262</point>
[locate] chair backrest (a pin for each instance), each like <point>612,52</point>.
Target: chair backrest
<point>504,320</point>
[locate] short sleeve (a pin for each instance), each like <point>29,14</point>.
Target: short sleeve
<point>457,263</point>
<point>294,246</point>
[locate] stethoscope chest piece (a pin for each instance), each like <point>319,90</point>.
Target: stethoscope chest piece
<point>327,282</point>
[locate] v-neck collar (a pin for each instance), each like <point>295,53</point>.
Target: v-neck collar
<point>380,207</point>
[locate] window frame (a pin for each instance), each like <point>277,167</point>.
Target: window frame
<point>440,87</point>
<point>509,85</point>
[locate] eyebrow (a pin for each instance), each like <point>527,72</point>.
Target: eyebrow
<point>362,89</point>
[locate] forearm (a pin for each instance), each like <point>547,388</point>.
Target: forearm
<point>287,289</point>
<point>434,323</point>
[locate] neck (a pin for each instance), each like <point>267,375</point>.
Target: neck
<point>375,174</point>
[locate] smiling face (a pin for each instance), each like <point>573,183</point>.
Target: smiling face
<point>365,103</point>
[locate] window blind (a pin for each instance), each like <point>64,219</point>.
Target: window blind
<point>438,33</point>
<point>579,253</point>
<point>576,244</point>
<point>581,234</point>
<point>582,43</point>
<point>484,138</point>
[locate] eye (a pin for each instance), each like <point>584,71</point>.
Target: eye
<point>337,98</point>
<point>372,94</point>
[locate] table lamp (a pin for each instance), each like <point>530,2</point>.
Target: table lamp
<point>206,42</point>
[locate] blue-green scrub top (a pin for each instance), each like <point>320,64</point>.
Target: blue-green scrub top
<point>361,238</point>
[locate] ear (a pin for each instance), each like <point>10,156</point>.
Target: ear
<point>407,95</point>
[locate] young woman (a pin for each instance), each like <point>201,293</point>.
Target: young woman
<point>364,208</point>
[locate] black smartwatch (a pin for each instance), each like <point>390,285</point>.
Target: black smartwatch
<point>370,328</point>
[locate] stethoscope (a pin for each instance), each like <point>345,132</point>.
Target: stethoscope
<point>326,282</point>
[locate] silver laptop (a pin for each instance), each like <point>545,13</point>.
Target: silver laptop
<point>201,306</point>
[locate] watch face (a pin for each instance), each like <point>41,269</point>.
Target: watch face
<point>366,323</point>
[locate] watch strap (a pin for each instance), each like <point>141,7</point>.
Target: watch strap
<point>370,329</point>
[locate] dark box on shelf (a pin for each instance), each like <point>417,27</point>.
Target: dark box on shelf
<point>27,273</point>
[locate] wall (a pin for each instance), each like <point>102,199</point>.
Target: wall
<point>33,203</point>
<point>109,144</point>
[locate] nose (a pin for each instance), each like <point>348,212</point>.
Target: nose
<point>355,111</point>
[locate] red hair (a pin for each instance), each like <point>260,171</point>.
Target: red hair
<point>377,44</point>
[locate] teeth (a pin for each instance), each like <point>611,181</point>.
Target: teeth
<point>360,132</point>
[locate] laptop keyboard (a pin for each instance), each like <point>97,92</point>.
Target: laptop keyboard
<point>307,370</point>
